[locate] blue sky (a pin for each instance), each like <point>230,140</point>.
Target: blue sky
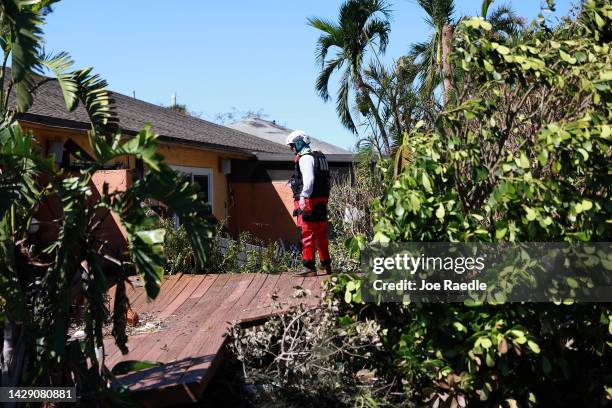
<point>219,55</point>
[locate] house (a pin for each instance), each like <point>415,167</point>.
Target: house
<point>266,179</point>
<point>213,155</point>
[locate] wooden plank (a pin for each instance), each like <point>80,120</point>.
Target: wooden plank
<point>219,315</point>
<point>261,300</point>
<point>211,339</point>
<point>249,294</point>
<point>211,311</point>
<point>154,341</point>
<point>155,307</point>
<point>198,313</point>
<point>281,302</point>
<point>189,324</point>
<point>134,294</point>
<point>193,284</point>
<point>313,284</point>
<point>166,297</point>
<point>138,296</point>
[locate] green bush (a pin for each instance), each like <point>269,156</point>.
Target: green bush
<point>178,251</point>
<point>522,153</point>
<point>239,255</point>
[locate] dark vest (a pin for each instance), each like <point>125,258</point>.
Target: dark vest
<point>321,177</point>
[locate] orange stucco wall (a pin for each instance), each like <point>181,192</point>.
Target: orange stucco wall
<point>174,154</point>
<point>264,209</point>
<point>118,180</point>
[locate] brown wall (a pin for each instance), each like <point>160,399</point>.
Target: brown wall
<point>111,229</point>
<point>264,209</point>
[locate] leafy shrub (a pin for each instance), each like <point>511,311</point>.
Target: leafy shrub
<point>178,251</point>
<point>247,254</point>
<point>350,199</point>
<point>522,154</point>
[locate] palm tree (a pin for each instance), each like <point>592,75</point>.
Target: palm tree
<point>362,24</point>
<point>40,286</point>
<point>433,55</point>
<point>428,54</point>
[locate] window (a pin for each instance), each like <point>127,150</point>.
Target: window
<point>200,175</point>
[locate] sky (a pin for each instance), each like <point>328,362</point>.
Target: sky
<point>220,56</point>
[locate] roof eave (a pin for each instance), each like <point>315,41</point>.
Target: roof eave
<point>59,123</point>
<point>277,157</point>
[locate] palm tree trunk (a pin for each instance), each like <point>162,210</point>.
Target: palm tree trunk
<point>447,66</point>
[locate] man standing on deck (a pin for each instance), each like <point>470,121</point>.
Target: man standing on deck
<point>310,184</point>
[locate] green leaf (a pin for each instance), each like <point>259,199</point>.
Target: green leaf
<point>440,212</point>
<point>533,346</point>
<point>460,327</point>
<point>485,342</point>
<point>584,153</point>
<point>503,50</point>
<point>523,161</point>
<point>530,214</point>
<point>147,254</point>
<point>566,57</point>
<point>345,321</point>
<point>152,237</point>
<point>348,295</point>
<point>355,245</point>
<point>426,182</point>
<point>415,202</point>
<point>490,359</point>
<point>24,49</point>
<point>129,366</point>
<point>587,205</point>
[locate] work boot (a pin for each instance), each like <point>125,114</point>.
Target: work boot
<point>309,269</point>
<point>326,268</point>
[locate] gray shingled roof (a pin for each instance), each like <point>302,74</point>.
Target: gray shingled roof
<point>49,108</point>
<point>273,132</point>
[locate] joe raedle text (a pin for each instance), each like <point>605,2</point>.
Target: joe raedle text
<point>446,285</point>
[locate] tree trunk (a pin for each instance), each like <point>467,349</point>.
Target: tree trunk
<point>447,66</point>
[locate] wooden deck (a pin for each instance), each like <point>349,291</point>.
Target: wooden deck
<point>188,323</point>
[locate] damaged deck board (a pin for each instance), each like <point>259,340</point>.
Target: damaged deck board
<point>189,321</point>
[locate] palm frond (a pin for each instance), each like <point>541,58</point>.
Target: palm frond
<point>60,65</point>
<point>329,39</point>
<point>342,104</point>
<point>97,101</point>
<point>26,40</point>
<point>378,29</point>
<point>485,8</point>
<point>505,21</point>
<point>322,84</point>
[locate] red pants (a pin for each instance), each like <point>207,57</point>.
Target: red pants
<point>314,235</point>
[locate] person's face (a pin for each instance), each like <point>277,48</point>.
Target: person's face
<point>292,148</point>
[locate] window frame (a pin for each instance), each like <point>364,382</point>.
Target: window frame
<point>198,171</point>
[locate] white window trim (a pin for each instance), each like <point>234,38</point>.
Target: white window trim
<point>199,171</point>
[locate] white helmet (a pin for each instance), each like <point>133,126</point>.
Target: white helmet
<point>296,135</point>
